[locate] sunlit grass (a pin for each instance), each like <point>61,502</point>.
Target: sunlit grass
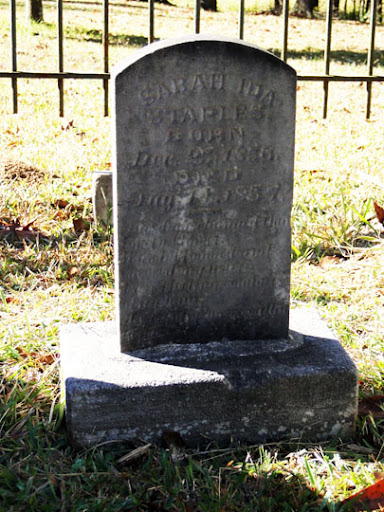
<point>67,276</point>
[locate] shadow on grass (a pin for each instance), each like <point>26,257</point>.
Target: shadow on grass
<point>40,471</point>
<point>341,56</point>
<point>96,36</point>
<point>115,4</point>
<point>45,260</point>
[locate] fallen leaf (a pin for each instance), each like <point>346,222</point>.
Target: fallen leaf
<point>47,358</point>
<point>61,215</point>
<point>379,213</point>
<point>39,357</point>
<point>68,126</point>
<point>370,498</point>
<point>61,203</point>
<point>14,228</point>
<point>328,261</point>
<point>80,225</point>
<point>73,271</point>
<point>372,405</point>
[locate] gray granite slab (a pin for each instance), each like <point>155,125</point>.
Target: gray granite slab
<point>204,145</point>
<point>305,389</point>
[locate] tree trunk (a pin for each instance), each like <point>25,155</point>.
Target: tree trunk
<point>278,8</point>
<point>336,7</point>
<point>304,8</point>
<point>34,10</point>
<point>209,5</point>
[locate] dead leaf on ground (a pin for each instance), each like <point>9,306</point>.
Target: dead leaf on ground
<point>39,357</point>
<point>372,405</point>
<point>68,126</point>
<point>379,213</point>
<point>329,261</point>
<point>370,498</point>
<point>61,203</point>
<point>61,215</point>
<point>12,299</point>
<point>81,225</point>
<point>15,229</point>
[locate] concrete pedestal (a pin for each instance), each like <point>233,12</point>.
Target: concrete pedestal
<point>304,387</point>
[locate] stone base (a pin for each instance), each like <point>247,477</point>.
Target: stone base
<point>304,387</point>
<point>102,197</point>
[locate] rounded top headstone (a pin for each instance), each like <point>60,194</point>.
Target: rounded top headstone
<point>196,42</point>
<point>203,156</point>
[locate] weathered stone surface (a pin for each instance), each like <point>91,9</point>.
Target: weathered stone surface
<point>204,143</point>
<point>253,392</point>
<point>102,197</point>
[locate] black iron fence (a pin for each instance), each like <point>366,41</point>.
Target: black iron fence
<point>60,74</point>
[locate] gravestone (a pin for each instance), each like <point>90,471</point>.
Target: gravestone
<point>102,197</point>
<point>204,342</point>
<point>204,190</point>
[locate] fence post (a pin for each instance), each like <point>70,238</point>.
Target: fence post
<point>151,12</point>
<point>241,19</point>
<point>284,50</point>
<point>197,16</point>
<point>14,54</point>
<point>60,54</point>
<point>106,55</point>
<point>370,56</point>
<point>327,57</point>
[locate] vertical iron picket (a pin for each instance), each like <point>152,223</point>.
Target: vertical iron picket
<point>14,74</point>
<point>241,19</point>
<point>371,55</point>
<point>106,55</point>
<point>197,16</point>
<point>151,12</point>
<point>14,55</point>
<point>285,14</point>
<point>60,54</point>
<point>327,57</point>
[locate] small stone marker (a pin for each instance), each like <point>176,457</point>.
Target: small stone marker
<point>203,180</point>
<point>102,197</point>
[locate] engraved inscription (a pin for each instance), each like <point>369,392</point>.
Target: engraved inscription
<point>204,185</point>
<point>185,114</point>
<point>205,82</point>
<point>216,135</point>
<point>195,83</point>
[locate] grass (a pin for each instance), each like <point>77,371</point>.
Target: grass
<point>66,274</point>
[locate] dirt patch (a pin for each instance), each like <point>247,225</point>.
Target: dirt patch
<point>11,170</point>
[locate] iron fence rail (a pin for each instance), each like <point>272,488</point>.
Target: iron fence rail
<point>15,74</point>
